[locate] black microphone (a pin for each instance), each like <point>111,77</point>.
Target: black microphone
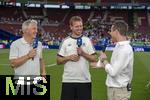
<point>79,42</point>
<point>35,44</point>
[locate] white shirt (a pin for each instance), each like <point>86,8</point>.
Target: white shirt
<point>76,71</point>
<point>20,48</point>
<point>120,69</point>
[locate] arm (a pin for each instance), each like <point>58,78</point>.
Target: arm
<point>115,67</point>
<point>16,62</point>
<point>97,64</point>
<point>42,64</point>
<point>90,55</point>
<point>90,58</point>
<point>93,65</point>
<point>19,61</point>
<point>63,60</point>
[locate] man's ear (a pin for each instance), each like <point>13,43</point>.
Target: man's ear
<point>117,32</point>
<point>70,27</point>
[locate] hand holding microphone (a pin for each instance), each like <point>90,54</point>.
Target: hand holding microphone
<point>79,42</point>
<point>32,53</point>
<point>101,59</point>
<point>102,54</point>
<point>35,42</point>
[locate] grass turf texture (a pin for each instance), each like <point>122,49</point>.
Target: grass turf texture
<point>140,79</point>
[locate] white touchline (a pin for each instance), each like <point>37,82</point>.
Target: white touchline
<point>50,65</point>
<point>4,64</point>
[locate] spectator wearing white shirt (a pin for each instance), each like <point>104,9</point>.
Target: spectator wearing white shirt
<point>120,68</point>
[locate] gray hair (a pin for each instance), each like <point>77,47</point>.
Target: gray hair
<point>28,23</point>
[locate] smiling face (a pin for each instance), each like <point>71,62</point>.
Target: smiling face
<point>32,30</point>
<point>29,28</point>
<point>77,27</point>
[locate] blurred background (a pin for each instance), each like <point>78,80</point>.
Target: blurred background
<point>98,15</point>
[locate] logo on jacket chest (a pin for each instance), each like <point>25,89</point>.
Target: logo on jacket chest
<point>69,45</point>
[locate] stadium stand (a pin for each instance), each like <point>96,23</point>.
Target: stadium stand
<point>54,22</point>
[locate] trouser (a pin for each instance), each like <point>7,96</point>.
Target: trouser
<point>114,93</point>
<point>76,91</point>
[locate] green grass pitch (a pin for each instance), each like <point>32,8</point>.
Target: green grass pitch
<point>140,79</point>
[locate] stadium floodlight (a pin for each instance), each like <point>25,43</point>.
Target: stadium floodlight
<point>148,8</point>
<point>87,7</point>
<point>79,7</point>
<point>18,4</point>
<point>129,7</point>
<point>38,5</point>
<point>31,5</point>
<point>65,7</point>
<point>51,6</point>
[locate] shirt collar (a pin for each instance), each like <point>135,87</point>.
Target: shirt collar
<point>24,41</point>
<point>76,37</point>
<point>123,43</point>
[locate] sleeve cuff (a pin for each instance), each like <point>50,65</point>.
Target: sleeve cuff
<point>12,57</point>
<point>107,67</point>
<point>60,55</point>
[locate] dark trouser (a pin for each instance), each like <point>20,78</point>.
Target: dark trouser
<point>76,91</point>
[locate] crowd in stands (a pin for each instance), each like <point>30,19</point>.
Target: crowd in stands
<point>96,27</point>
<point>11,20</point>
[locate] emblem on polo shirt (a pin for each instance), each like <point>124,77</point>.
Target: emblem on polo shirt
<point>69,44</point>
<point>83,44</point>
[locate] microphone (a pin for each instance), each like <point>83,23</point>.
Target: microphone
<point>104,48</point>
<point>35,44</point>
<point>104,44</point>
<point>79,42</point>
<point>99,64</point>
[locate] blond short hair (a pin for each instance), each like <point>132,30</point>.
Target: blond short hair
<point>75,18</point>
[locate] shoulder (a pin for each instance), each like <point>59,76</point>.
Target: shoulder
<point>16,42</point>
<point>87,39</point>
<point>64,42</point>
<point>126,49</point>
<point>67,39</point>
